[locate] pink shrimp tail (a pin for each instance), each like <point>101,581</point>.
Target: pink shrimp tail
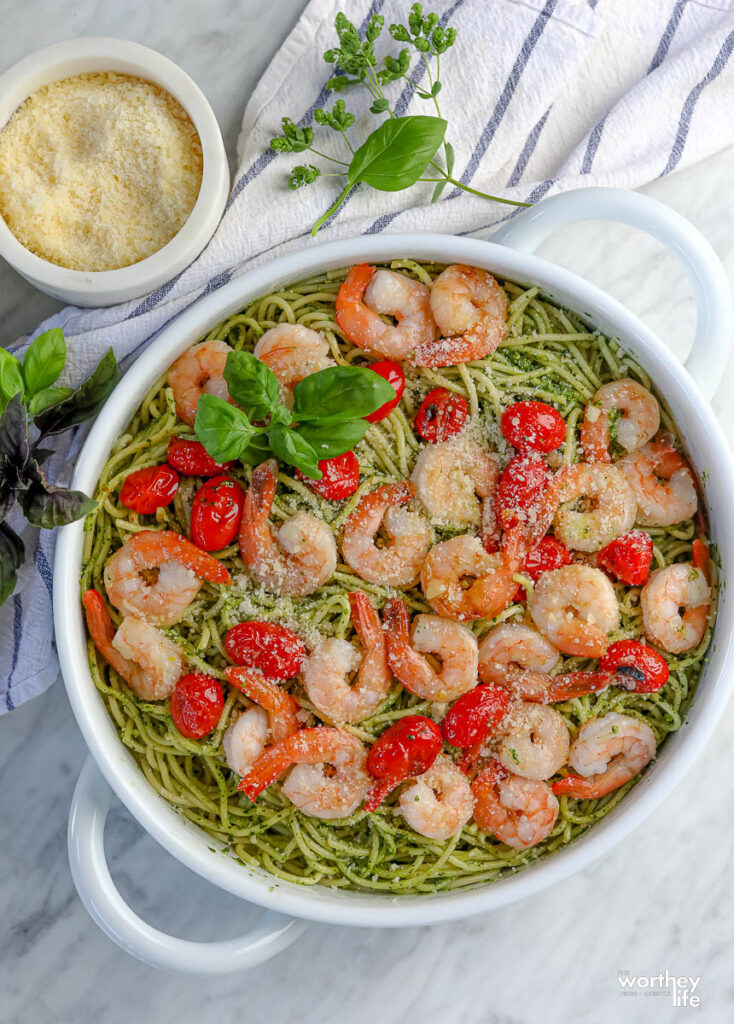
<point>351,292</point>
<point>575,684</point>
<point>366,620</point>
<point>399,654</point>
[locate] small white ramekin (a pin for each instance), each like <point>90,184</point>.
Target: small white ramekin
<point>106,287</point>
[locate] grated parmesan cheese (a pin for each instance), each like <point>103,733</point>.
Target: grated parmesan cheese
<point>98,171</point>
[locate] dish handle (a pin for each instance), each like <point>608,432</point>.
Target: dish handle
<point>715,314</point>
<point>89,808</point>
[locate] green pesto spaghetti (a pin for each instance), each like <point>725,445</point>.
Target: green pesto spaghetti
<point>549,354</point>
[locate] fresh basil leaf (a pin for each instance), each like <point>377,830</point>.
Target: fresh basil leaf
<point>11,377</point>
<point>47,506</point>
<point>14,434</point>
<point>329,440</point>
<point>223,429</point>
<point>8,486</point>
<point>252,384</point>
<point>44,361</point>
<point>290,447</point>
<point>340,393</point>
<point>397,153</point>
<point>257,451</point>
<point>12,555</point>
<point>46,398</point>
<point>281,415</point>
<point>84,401</point>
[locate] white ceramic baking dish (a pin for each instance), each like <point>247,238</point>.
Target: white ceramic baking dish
<point>290,906</point>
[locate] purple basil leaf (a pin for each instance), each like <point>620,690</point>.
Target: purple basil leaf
<point>47,506</point>
<point>14,434</point>
<point>84,401</point>
<point>12,554</point>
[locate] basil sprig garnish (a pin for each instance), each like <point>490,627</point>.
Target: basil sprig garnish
<point>32,407</point>
<point>401,151</point>
<point>326,419</point>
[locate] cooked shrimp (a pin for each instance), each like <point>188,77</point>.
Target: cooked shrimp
<point>607,506</point>
<point>462,581</point>
<point>271,720</point>
<point>470,309</point>
<point>575,607</point>
<point>330,777</point>
<point>147,660</point>
<point>519,812</point>
<point>199,371</point>
<point>607,752</point>
<point>296,558</point>
<point>636,422</point>
<point>293,352</point>
<point>281,707</point>
<point>519,657</point>
<point>366,293</point>
<point>452,643</point>
<point>535,741</point>
<point>450,477</point>
<point>245,739</point>
<point>157,574</point>
<point>396,564</point>
<point>662,482</point>
<point>326,670</point>
<point>676,602</point>
<point>438,803</point>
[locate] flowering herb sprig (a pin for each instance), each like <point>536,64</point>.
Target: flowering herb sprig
<point>401,150</point>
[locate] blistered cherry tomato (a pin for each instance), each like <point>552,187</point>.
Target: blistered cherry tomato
<point>145,490</point>
<point>405,749</point>
<point>522,483</point>
<point>442,415</point>
<point>340,477</point>
<point>548,554</point>
<point>192,459</point>
<point>636,666</point>
<point>216,513</point>
<point>533,427</point>
<point>628,558</point>
<point>276,651</point>
<point>196,705</point>
<point>475,715</point>
<point>393,374</point>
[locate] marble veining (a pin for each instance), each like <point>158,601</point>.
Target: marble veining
<point>662,900</point>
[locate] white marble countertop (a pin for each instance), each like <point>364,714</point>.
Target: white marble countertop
<point>661,901</point>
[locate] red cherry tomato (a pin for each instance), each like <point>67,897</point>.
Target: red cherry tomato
<point>192,459</point>
<point>196,705</point>
<point>216,513</point>
<point>533,427</point>
<point>635,666</point>
<point>474,716</point>
<point>628,558</point>
<point>340,477</point>
<point>442,414</point>
<point>548,554</point>
<point>405,749</point>
<point>276,651</point>
<point>523,481</point>
<point>393,374</point>
<point>145,490</point>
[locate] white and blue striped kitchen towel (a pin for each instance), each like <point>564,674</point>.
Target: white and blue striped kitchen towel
<point>540,96</point>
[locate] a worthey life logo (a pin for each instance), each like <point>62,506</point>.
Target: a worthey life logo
<point>680,987</point>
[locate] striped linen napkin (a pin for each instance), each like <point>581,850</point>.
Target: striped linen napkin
<point>540,96</point>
